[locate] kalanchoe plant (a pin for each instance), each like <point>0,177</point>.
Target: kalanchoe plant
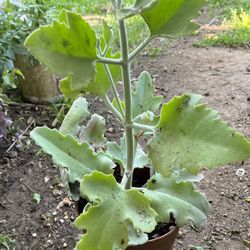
<point>186,137</point>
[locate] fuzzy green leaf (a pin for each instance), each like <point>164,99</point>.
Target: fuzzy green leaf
<point>94,131</point>
<point>136,9</point>
<point>119,154</point>
<point>107,33</point>
<point>147,118</point>
<point>77,113</point>
<point>107,222</point>
<point>172,18</point>
<point>100,85</point>
<point>143,99</point>
<point>67,47</point>
<point>178,198</point>
<point>78,159</point>
<point>192,136</point>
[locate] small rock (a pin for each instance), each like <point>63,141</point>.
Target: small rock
<point>34,235</point>
<point>64,202</point>
<point>65,245</point>
<point>57,192</point>
<point>46,179</point>
<point>49,243</point>
<point>61,221</point>
<point>110,130</point>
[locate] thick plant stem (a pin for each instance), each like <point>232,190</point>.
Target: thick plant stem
<point>128,100</point>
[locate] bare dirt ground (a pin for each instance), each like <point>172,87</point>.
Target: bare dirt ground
<point>222,75</point>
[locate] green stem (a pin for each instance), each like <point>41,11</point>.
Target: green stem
<point>109,61</point>
<point>143,127</point>
<point>113,109</point>
<point>128,99</point>
<point>134,53</point>
<point>112,83</point>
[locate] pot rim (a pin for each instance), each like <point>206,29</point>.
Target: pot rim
<point>175,228</point>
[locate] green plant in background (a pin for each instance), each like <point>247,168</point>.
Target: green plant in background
<point>184,138</point>
<point>226,6</point>
<point>237,33</point>
<point>17,20</point>
<point>7,242</point>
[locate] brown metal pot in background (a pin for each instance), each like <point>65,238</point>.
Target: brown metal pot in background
<point>39,85</point>
<point>165,242</point>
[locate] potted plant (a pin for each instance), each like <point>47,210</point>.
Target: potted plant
<point>184,138</point>
<point>19,19</point>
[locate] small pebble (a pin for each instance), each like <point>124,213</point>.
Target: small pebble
<point>65,245</point>
<point>110,130</point>
<point>34,235</point>
<point>48,243</point>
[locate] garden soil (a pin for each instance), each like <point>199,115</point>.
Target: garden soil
<point>222,75</point>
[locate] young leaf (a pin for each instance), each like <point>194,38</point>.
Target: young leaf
<point>119,154</point>
<point>172,18</point>
<point>136,9</point>
<point>77,113</point>
<point>178,198</point>
<point>147,118</point>
<point>79,159</point>
<point>192,136</point>
<point>67,47</point>
<point>125,207</point>
<point>143,99</point>
<point>108,36</point>
<point>94,132</point>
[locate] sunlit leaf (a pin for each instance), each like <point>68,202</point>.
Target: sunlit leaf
<point>177,198</point>
<point>67,47</point>
<point>192,136</point>
<point>172,18</point>
<point>113,212</point>
<point>78,159</point>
